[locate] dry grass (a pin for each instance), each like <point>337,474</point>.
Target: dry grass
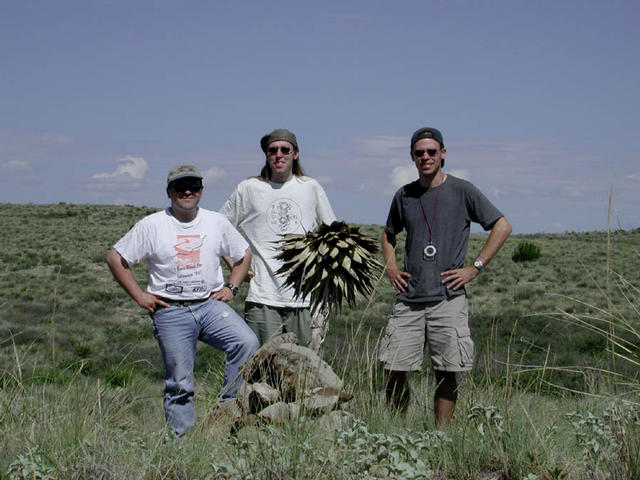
<point>81,375</point>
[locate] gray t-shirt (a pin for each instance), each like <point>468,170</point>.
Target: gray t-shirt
<point>449,209</point>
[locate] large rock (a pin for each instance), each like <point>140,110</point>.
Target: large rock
<point>302,371</point>
<point>264,353</point>
<point>284,379</point>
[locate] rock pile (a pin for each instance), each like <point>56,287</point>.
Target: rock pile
<point>284,380</point>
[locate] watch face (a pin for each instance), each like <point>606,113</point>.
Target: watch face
<point>478,264</point>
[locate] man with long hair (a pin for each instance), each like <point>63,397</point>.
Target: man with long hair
<point>281,200</point>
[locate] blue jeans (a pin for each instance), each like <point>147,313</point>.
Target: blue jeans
<point>177,329</point>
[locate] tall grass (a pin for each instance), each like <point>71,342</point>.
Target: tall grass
<point>74,417</point>
<point>88,429</point>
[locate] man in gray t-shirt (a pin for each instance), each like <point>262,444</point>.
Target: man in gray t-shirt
<point>436,211</point>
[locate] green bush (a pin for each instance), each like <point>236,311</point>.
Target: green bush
<point>525,252</point>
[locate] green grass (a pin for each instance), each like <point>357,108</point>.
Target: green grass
<point>81,375</point>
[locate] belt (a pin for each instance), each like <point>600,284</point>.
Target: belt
<point>183,303</point>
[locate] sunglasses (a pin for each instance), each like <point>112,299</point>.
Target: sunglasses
<point>181,187</point>
<point>430,151</point>
<point>274,150</point>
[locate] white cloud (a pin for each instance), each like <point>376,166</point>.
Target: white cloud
<point>130,168</point>
<point>212,174</point>
<point>557,179</point>
<point>16,166</point>
<point>384,146</point>
<point>402,175</point>
<point>495,192</point>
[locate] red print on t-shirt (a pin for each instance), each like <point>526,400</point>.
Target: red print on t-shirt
<point>188,251</point>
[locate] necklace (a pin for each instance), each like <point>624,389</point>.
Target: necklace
<point>430,250</point>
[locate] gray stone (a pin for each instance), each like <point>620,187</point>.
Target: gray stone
<point>280,412</point>
<point>283,379</point>
<point>255,396</point>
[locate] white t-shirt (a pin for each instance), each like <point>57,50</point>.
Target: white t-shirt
<point>183,258</point>
<point>266,210</point>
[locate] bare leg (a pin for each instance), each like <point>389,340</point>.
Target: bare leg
<point>397,389</point>
<point>444,402</point>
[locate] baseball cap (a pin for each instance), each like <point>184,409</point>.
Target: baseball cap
<point>278,134</point>
<point>427,132</point>
<point>182,171</point>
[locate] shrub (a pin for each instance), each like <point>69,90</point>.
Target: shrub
<point>526,252</point>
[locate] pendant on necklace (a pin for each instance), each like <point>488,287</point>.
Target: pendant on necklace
<point>429,252</point>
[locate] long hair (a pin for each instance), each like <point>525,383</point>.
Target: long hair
<point>265,173</point>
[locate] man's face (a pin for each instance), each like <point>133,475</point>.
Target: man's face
<point>427,156</point>
<point>185,193</point>
<point>280,157</point>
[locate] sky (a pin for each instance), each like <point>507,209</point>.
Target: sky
<point>538,102</point>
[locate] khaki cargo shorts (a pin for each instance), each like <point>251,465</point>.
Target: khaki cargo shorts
<point>444,325</point>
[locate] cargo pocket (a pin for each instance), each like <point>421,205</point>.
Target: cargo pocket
<point>467,349</point>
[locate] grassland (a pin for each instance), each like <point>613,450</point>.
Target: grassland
<point>555,393</point>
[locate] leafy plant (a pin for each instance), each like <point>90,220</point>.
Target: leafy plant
<point>487,418</point>
<point>526,252</point>
<point>402,456</point>
<point>602,437</point>
<point>30,466</point>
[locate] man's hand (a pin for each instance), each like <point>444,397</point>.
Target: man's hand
<point>455,279</point>
<point>397,278</point>
<point>123,274</point>
<point>149,302</point>
<point>224,295</point>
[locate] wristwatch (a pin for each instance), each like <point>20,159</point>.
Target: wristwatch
<point>232,287</point>
<point>478,264</point>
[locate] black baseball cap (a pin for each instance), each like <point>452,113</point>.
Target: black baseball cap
<point>427,132</point>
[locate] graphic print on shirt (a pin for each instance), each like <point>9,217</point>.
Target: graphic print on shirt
<point>188,267</point>
<point>188,251</point>
<point>284,216</point>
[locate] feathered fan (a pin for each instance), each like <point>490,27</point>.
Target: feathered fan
<point>332,263</point>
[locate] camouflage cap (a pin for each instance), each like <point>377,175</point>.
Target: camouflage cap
<point>182,171</point>
<point>278,134</point>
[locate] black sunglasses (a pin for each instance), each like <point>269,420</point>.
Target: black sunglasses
<point>274,150</point>
<point>430,151</point>
<point>191,185</point>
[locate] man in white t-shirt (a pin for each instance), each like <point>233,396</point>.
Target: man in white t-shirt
<point>186,295</point>
<point>279,201</point>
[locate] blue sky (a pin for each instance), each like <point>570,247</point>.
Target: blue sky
<point>539,102</point>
